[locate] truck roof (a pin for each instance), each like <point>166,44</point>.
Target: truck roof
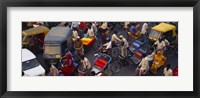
<point>58,34</point>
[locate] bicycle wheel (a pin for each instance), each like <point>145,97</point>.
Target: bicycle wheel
<point>115,68</point>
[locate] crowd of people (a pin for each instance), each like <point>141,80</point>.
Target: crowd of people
<point>107,33</point>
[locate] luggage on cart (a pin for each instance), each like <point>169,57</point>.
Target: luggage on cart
<point>88,41</point>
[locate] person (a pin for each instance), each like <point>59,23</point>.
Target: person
<point>104,27</point>
<point>37,24</point>
<point>160,44</point>
<point>151,56</point>
<point>83,26</point>
<point>126,25</point>
<point>94,28</point>
<point>68,57</point>
<point>144,31</point>
<point>75,25</point>
<point>166,42</point>
<point>159,60</point>
<point>124,40</point>
<point>114,39</point>
<point>123,53</point>
<point>53,71</point>
<point>107,47</point>
<point>132,29</point>
<point>167,70</point>
<point>92,73</point>
<point>86,64</point>
<point>75,34</point>
<point>68,67</point>
<point>143,66</point>
<point>90,32</point>
<point>78,46</point>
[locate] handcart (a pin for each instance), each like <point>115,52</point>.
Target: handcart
<point>101,63</point>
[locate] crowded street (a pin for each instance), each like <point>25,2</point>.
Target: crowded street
<point>99,48</point>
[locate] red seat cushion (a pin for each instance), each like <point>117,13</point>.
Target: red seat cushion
<point>101,63</point>
<point>138,53</point>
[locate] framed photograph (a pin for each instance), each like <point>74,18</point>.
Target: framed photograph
<point>74,48</point>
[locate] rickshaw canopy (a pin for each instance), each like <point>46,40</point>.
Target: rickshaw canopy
<point>58,34</point>
<point>165,27</point>
<point>36,30</point>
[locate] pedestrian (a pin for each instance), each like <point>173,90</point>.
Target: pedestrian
<point>122,53</point>
<point>83,27</point>
<point>75,25</point>
<point>94,28</point>
<point>143,66</point>
<point>167,70</point>
<point>160,44</point>
<point>144,31</point>
<point>86,64</point>
<point>53,71</point>
<point>114,39</point>
<point>104,27</point>
<point>90,32</point>
<point>78,46</point>
<point>126,25</point>
<point>75,34</point>
<point>124,40</point>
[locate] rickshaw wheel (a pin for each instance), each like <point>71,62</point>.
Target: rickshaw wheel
<point>115,68</point>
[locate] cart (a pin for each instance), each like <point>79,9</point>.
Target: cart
<point>101,63</point>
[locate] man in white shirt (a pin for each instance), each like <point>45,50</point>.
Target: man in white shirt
<point>143,66</point>
<point>167,70</point>
<point>144,31</point>
<point>108,45</point>
<point>124,40</point>
<point>90,32</point>
<point>75,35</point>
<point>160,45</point>
<point>114,39</point>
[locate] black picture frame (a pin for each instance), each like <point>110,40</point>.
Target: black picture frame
<point>100,3</point>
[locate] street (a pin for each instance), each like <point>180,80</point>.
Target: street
<point>125,70</point>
